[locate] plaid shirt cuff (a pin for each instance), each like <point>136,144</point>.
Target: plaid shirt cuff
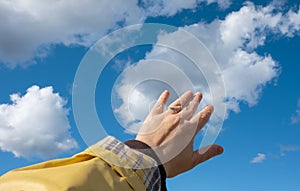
<point>146,149</point>
<point>145,167</point>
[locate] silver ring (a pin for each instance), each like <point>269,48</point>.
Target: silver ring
<point>175,109</point>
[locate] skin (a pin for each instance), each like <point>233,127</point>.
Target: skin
<point>173,136</point>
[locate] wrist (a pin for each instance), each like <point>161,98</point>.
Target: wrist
<point>147,150</point>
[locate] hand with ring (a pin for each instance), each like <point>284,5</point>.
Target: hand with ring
<point>171,133</point>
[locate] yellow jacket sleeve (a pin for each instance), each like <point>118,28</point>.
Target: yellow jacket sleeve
<point>94,169</point>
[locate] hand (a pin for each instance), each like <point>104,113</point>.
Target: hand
<point>171,133</point>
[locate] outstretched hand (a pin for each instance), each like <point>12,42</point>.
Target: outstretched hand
<point>171,133</point>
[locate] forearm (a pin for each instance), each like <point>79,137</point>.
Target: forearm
<point>107,165</point>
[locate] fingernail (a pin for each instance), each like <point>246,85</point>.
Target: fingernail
<point>207,109</point>
<point>211,108</point>
<point>166,92</point>
<point>198,95</point>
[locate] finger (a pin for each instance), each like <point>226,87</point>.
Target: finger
<point>202,117</point>
<point>180,101</point>
<point>205,153</point>
<point>190,108</point>
<point>160,103</point>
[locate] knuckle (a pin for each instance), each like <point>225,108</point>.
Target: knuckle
<point>177,119</point>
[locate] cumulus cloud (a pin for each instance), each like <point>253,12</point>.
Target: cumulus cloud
<point>35,124</point>
<point>248,26</point>
<point>29,28</point>
<point>295,118</point>
<point>233,43</point>
<point>259,158</point>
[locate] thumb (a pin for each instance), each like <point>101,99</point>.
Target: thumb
<point>205,153</point>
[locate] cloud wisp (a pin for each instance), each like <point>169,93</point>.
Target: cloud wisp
<point>288,148</point>
<point>259,158</point>
<point>283,152</point>
<point>35,124</point>
<point>295,118</point>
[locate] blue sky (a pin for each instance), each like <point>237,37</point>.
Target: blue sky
<point>255,44</point>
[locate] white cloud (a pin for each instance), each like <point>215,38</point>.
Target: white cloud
<point>232,42</point>
<point>35,124</point>
<point>259,158</point>
<point>223,4</point>
<point>242,67</point>
<point>167,7</point>
<point>290,24</point>
<point>29,28</point>
<point>248,26</point>
<point>295,118</point>
<point>171,7</point>
<point>283,151</point>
